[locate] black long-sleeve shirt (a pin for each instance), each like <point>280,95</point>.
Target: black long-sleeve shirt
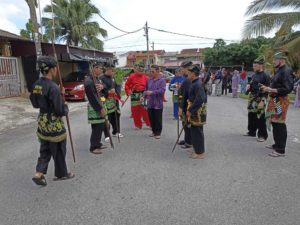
<point>109,83</point>
<point>47,97</point>
<point>259,78</point>
<point>283,80</point>
<point>184,92</point>
<point>196,95</point>
<point>91,93</point>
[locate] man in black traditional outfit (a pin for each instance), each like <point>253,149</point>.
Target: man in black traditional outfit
<point>96,110</point>
<point>51,130</point>
<point>196,112</point>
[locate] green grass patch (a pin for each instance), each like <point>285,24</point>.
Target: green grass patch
<point>243,96</point>
<point>292,97</point>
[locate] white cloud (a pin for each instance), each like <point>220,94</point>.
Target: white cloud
<point>9,26</point>
<point>213,18</point>
<point>14,15</point>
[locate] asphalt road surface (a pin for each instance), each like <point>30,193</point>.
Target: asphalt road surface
<point>141,182</point>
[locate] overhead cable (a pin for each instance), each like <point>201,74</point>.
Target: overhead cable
<point>127,32</point>
<point>117,37</point>
<point>183,43</point>
<point>128,46</point>
<point>188,35</point>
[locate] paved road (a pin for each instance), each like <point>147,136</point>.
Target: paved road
<point>142,183</point>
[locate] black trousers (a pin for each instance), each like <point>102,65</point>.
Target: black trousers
<point>279,136</point>
<point>95,140</point>
<point>224,89</point>
<point>155,117</point>
<point>187,132</point>
<point>197,139</point>
<point>58,152</point>
<point>187,135</point>
<point>106,132</point>
<point>257,125</point>
<point>114,119</point>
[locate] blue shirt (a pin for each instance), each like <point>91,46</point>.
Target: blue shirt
<point>176,79</point>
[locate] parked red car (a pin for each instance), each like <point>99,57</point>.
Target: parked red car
<point>74,86</point>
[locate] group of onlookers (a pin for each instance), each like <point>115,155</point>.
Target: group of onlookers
<point>224,81</point>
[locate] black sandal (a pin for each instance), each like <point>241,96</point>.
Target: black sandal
<point>40,180</point>
<point>186,146</point>
<point>70,175</point>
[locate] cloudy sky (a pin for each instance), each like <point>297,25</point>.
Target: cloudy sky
<point>205,18</point>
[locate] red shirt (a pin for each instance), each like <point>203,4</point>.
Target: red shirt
<point>136,82</point>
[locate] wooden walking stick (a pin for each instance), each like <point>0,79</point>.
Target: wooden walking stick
<point>178,138</point>
<point>128,96</point>
<point>61,85</point>
<point>125,100</point>
<point>116,114</point>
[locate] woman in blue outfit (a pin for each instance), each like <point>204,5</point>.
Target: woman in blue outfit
<point>174,86</point>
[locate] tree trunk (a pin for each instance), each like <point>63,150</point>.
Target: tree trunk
<point>33,17</point>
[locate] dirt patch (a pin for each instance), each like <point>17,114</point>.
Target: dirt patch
<point>18,111</point>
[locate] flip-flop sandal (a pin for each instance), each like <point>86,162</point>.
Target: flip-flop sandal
<point>181,142</point>
<point>195,156</point>
<point>40,180</point>
<point>69,176</point>
<point>186,146</point>
<point>97,151</point>
<point>276,154</point>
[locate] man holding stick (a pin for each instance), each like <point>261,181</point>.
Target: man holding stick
<point>96,111</point>
<point>51,130</point>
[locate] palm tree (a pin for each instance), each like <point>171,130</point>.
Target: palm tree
<point>32,4</point>
<point>263,21</point>
<point>73,25</point>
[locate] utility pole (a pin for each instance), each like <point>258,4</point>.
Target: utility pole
<point>32,4</point>
<point>152,46</point>
<point>147,39</point>
<point>41,23</point>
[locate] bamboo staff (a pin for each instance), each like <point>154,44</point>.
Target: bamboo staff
<point>61,84</point>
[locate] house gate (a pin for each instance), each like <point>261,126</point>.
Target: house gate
<point>9,77</point>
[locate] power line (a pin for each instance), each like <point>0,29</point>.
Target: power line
<point>127,32</point>
<point>188,35</point>
<point>117,36</point>
<point>128,46</point>
<point>183,43</point>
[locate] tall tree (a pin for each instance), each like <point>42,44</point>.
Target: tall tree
<point>263,20</point>
<point>32,4</point>
<point>73,23</point>
<point>236,53</point>
<point>28,32</point>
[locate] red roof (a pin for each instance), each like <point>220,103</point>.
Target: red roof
<point>178,63</point>
<point>192,50</point>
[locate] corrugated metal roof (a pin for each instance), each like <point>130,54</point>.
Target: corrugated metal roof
<point>6,34</point>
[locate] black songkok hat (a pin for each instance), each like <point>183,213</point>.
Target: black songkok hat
<point>186,64</point>
<point>97,63</point>
<point>109,65</point>
<point>139,65</point>
<point>155,67</point>
<point>280,55</point>
<point>195,69</point>
<point>45,63</point>
<point>260,60</point>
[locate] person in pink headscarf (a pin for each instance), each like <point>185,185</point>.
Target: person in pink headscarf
<point>235,80</point>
